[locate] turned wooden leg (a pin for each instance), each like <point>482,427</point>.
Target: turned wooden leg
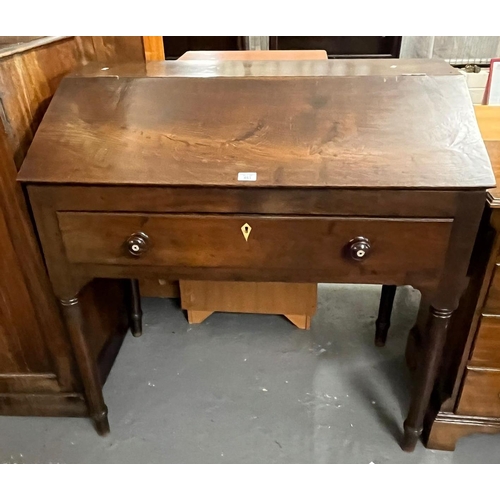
<point>384,314</point>
<point>135,309</point>
<point>434,339</point>
<point>87,365</point>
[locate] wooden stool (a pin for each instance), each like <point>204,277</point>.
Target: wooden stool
<point>296,301</point>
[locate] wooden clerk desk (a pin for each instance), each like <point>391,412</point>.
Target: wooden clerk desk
<point>289,171</point>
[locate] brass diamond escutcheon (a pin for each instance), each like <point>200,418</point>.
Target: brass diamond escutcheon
<point>246,229</point>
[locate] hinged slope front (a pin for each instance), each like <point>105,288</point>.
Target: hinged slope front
<point>413,131</point>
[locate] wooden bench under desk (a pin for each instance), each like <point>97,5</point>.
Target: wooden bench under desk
<point>133,176</point>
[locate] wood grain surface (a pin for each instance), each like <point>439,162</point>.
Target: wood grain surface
<point>486,349</point>
<point>480,393</point>
<point>249,297</point>
<point>275,243</point>
<point>290,68</point>
<point>291,132</point>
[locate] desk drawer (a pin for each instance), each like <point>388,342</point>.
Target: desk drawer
<point>492,304</point>
<point>486,351</point>
<point>397,247</point>
<point>480,393</point>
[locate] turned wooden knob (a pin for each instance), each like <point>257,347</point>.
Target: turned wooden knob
<point>359,248</point>
<point>137,244</point>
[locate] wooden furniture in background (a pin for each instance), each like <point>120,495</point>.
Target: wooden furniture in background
<point>296,301</point>
<point>38,370</point>
<point>153,48</point>
<point>253,55</point>
<point>467,395</point>
<point>318,211</point>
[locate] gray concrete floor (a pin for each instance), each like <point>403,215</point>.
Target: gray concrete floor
<point>245,388</point>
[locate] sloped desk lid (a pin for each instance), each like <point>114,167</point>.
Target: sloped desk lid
<point>305,124</point>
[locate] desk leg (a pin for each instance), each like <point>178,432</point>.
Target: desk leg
<point>136,311</point>
<point>434,339</point>
<point>384,314</point>
<point>72,312</point>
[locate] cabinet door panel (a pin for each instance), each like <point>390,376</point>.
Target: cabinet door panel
<point>21,346</point>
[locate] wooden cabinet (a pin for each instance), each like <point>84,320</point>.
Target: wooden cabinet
<point>467,396</point>
<point>38,372</point>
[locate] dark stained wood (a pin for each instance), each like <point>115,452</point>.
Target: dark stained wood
<point>32,336</point>
<point>104,306</point>
<point>466,386</point>
<point>280,243</point>
<point>405,125</point>
<point>135,310</point>
<point>425,376</point>
<point>43,404</point>
<point>292,132</point>
<point>387,203</point>
<point>27,382</point>
<point>257,69</point>
<point>77,327</point>
<point>383,322</point>
<point>443,302</point>
<point>159,287</point>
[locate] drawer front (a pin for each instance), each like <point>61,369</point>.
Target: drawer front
<point>480,393</point>
<point>322,245</point>
<point>486,351</point>
<point>492,304</point>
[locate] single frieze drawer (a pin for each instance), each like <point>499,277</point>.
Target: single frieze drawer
<point>378,250</point>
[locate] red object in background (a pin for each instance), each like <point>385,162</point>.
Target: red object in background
<point>486,97</point>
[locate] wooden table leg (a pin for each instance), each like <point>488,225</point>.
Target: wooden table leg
<point>72,312</point>
<point>135,309</point>
<point>434,338</point>
<point>384,314</point>
<point>445,300</point>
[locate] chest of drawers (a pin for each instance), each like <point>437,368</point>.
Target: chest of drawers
<point>468,389</point>
<point>359,173</point>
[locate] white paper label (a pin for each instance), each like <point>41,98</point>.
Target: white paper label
<point>247,176</point>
